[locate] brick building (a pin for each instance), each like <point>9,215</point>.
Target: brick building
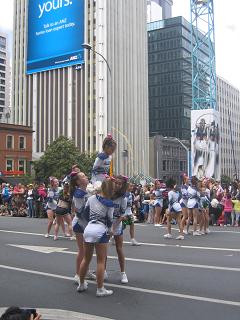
<point>15,149</point>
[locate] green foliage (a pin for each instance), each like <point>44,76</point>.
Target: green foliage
<point>58,159</point>
<point>225,180</point>
<point>27,179</point>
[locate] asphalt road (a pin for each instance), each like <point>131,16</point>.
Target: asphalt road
<point>197,278</point>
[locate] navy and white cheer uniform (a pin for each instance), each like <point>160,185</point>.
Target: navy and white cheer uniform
<point>100,219</point>
<point>120,207</point>
<point>204,199</point>
<point>184,196</point>
<point>101,167</point>
<point>159,197</point>
<point>81,218</point>
<point>174,205</point>
<point>130,199</point>
<point>193,198</point>
<point>52,198</point>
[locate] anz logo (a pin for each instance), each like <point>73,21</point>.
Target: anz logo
<point>48,6</point>
<point>74,58</point>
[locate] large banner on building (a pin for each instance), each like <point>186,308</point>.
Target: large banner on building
<point>205,143</point>
<point>55,34</point>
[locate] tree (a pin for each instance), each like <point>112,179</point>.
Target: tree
<point>58,159</point>
<point>225,180</point>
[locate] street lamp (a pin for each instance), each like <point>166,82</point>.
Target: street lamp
<point>88,47</point>
<point>102,106</point>
<point>188,155</point>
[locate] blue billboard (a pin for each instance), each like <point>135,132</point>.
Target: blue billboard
<point>55,34</point>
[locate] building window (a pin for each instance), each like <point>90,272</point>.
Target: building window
<point>9,165</point>
<point>9,142</point>
<point>164,165</point>
<point>22,165</point>
<point>22,143</point>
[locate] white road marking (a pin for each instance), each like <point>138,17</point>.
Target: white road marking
<point>21,232</point>
<point>57,314</point>
<point>213,231</point>
<point>163,245</point>
<point>168,263</point>
<point>39,249</point>
<point>135,289</point>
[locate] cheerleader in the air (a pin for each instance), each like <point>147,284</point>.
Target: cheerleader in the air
<point>101,166</point>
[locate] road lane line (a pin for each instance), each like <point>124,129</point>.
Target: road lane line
<point>142,243</point>
<point>135,289</point>
<point>212,231</point>
<point>168,263</point>
<point>48,250</point>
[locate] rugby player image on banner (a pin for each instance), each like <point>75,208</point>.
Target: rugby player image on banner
<point>205,143</point>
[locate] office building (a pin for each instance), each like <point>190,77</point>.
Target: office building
<point>168,157</point>
<point>4,77</point>
<point>88,103</point>
<point>164,13</point>
<point>15,149</point>
<point>228,99</point>
<point>170,77</point>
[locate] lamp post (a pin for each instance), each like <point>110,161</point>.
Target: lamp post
<point>188,151</point>
<point>101,108</point>
<point>88,47</point>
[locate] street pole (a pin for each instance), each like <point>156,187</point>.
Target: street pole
<point>131,161</point>
<point>90,48</point>
<point>157,164</point>
<point>188,151</point>
<point>101,109</point>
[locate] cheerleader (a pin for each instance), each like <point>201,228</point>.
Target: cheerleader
<point>101,166</point>
<point>193,204</point>
<point>184,200</point>
<point>204,206</point>
<point>96,235</point>
<point>158,204</point>
<point>120,207</point>
<point>78,186</point>
<point>129,217</point>
<point>52,200</point>
<point>63,211</point>
<point>174,210</point>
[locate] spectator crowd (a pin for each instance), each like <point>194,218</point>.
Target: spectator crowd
<point>23,201</point>
<point>30,201</point>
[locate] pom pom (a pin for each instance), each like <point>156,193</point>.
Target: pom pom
<point>214,203</point>
<point>90,189</point>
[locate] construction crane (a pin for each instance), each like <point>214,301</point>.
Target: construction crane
<point>204,85</point>
<point>204,116</point>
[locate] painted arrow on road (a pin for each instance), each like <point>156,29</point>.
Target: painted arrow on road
<point>39,249</point>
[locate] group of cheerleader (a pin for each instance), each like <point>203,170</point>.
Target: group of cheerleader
<point>101,210</point>
<point>188,205</point>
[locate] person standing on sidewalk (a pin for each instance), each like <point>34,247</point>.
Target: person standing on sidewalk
<point>31,202</point>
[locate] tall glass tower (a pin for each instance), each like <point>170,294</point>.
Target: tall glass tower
<point>86,104</point>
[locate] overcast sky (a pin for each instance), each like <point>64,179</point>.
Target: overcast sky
<point>227,22</point>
